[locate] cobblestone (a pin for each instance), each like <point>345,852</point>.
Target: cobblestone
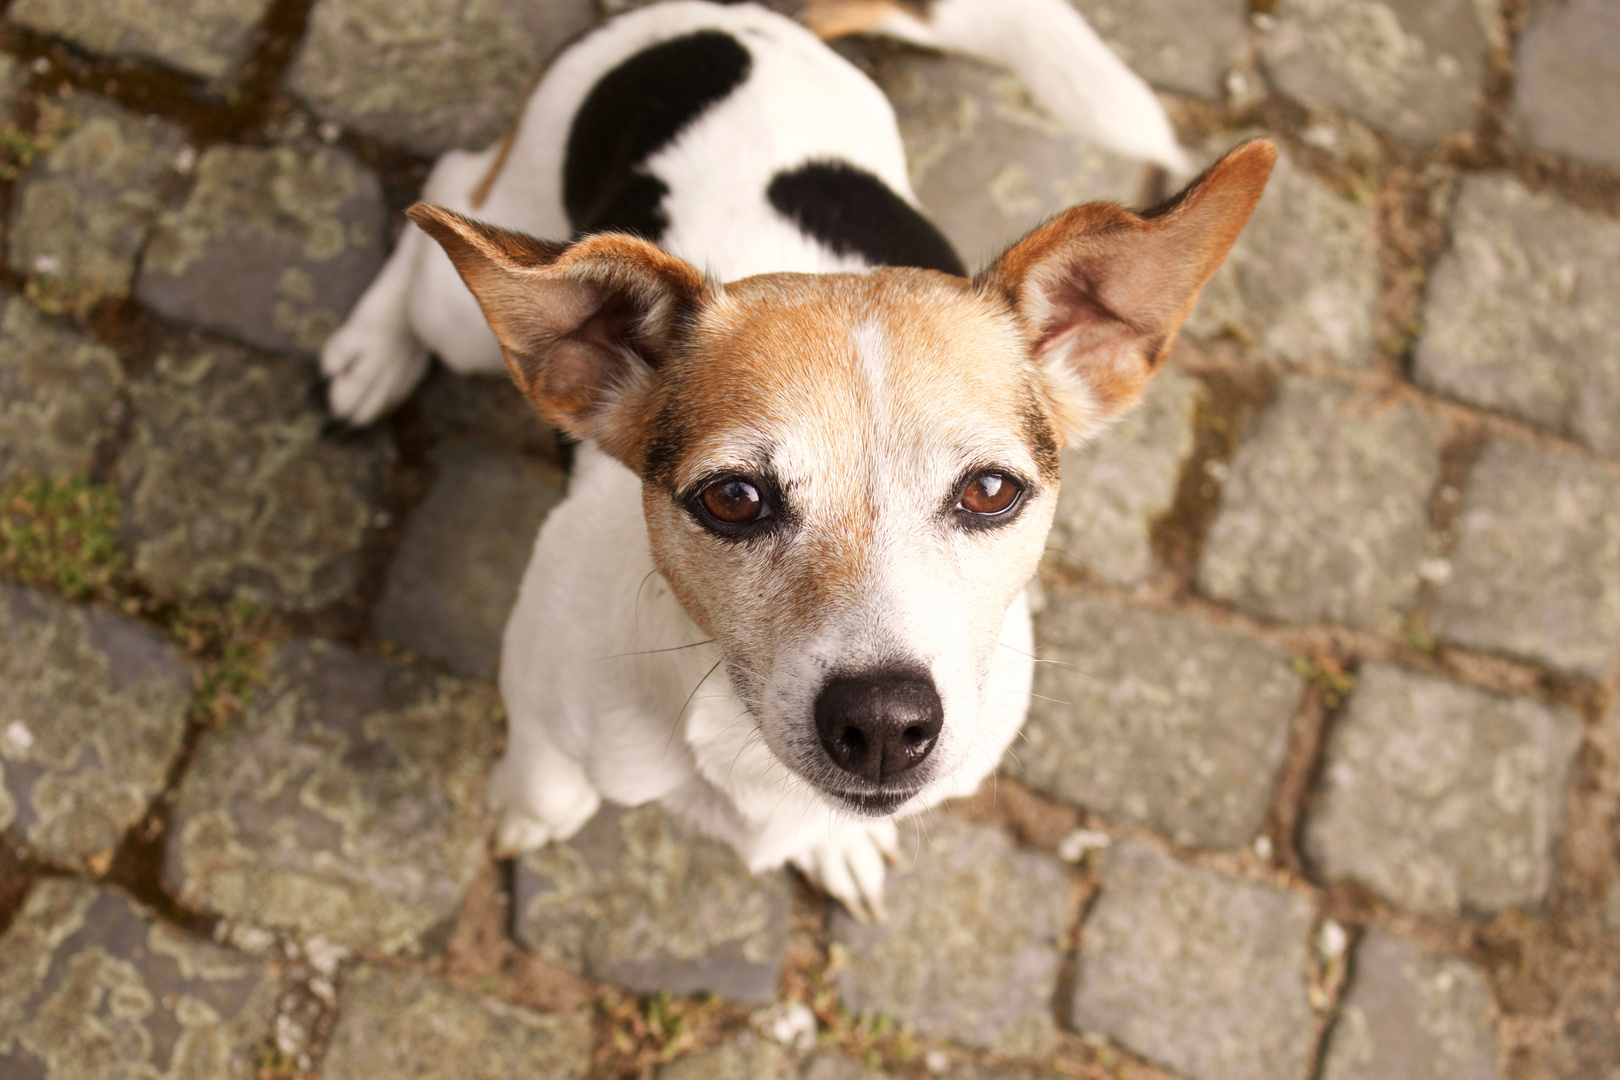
<point>1441,796</point>
<point>1566,90</point>
<point>1537,560</point>
<point>273,247</point>
<point>210,41</point>
<point>1413,67</point>
<point>1410,1015</point>
<point>641,901</point>
<point>59,396</point>
<point>230,488</point>
<point>1520,316</point>
<point>92,986</point>
<point>456,572</point>
<point>948,960</point>
<point>1185,45</point>
<point>1194,971</point>
<point>1157,719</point>
<point>346,802</point>
<point>1325,516</point>
<point>13,78</point>
<point>745,1058</point>
<point>838,1067</point>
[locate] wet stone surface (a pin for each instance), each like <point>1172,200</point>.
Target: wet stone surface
<point>394,1023</point>
<point>1196,972</point>
<point>1118,486</point>
<point>429,76</point>
<point>948,960</point>
<point>1441,796</point>
<point>1537,560</point>
<point>92,713</point>
<point>59,395</point>
<point>1184,45</point>
<point>83,210</point>
<point>1412,67</point>
<point>1301,283</point>
<point>1520,314</point>
<point>456,571</point>
<point>1325,514</point>
<point>1157,719</point>
<point>1566,90</point>
<point>346,802</point>
<point>210,41</point>
<point>748,1057</point>
<point>230,487</point>
<point>1410,1015</point>
<point>273,246</point>
<point>91,986</point>
<point>641,901</point>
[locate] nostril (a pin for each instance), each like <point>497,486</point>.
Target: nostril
<point>852,742</point>
<point>917,739</point>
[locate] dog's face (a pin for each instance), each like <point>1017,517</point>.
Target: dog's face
<point>848,478</point>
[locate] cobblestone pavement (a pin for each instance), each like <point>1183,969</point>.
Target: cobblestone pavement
<point>1323,773</point>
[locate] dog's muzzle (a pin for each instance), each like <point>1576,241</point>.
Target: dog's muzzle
<point>879,727</point>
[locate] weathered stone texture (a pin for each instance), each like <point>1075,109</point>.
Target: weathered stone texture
<point>274,245</point>
<point>434,75</point>
<point>1157,719</point>
<point>59,395</point>
<point>1196,972</point>
<point>1325,515</point>
<point>211,39</point>
<point>230,488</point>
<point>1410,1015</point>
<point>832,1066</point>
<point>1411,67</point>
<point>13,78</point>
<point>346,802</point>
<point>1116,487</point>
<point>1566,86</point>
<point>92,713</point>
<point>1301,283</point>
<point>1185,45</point>
<point>638,900</point>
<point>949,960</point>
<point>1521,316</point>
<point>408,1025</point>
<point>1537,561</point>
<point>746,1058</point>
<point>91,987</point>
<point>83,210</point>
<point>456,572</point>
<point>1441,796</point>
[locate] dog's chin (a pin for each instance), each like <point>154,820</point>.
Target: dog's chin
<point>871,804</point>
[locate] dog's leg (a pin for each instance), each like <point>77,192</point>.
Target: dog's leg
<point>539,793</point>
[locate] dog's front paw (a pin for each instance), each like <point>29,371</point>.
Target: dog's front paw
<point>850,864</point>
<point>372,367</point>
<point>539,799</point>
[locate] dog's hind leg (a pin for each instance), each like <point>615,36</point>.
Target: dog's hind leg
<point>539,793</point>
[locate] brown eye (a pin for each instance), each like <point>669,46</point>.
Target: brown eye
<point>735,502</point>
<point>990,493</point>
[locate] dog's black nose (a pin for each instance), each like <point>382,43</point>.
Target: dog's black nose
<point>878,726</point>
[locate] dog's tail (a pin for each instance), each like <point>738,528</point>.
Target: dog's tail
<point>1047,43</point>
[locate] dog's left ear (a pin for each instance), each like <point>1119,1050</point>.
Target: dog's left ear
<point>583,326</point>
<point>1102,292</point>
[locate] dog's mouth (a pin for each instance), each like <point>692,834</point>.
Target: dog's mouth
<point>873,804</point>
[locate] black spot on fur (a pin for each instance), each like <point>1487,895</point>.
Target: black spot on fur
<point>635,111</point>
<point>855,213</point>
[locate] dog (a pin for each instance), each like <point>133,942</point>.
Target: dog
<point>785,595</point>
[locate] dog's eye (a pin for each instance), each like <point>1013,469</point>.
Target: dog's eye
<point>990,493</point>
<point>735,502</point>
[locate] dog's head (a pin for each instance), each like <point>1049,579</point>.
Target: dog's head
<point>848,478</point>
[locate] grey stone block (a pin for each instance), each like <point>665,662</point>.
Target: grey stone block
<point>83,210</point>
<point>434,75</point>
<point>949,960</point>
<point>1411,67</point>
<point>91,986</point>
<point>93,708</point>
<point>1157,719</point>
<point>1520,314</point>
<point>394,1023</point>
<point>836,1067</point>
<point>230,488</point>
<point>59,395</point>
<point>211,39</point>
<point>13,78</point>
<point>456,573</point>
<point>747,1057</point>
<point>1410,1015</point>
<point>1118,485</point>
<point>1442,796</point>
<point>346,802</point>
<point>639,900</point>
<point>1325,516</point>
<point>1185,45</point>
<point>1566,87</point>
<point>1536,567</point>
<point>1301,283</point>
<point>274,245</point>
<point>1194,971</point>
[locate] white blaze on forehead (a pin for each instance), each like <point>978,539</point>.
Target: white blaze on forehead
<point>872,347</point>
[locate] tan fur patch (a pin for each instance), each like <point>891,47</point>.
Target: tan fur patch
<point>829,19</point>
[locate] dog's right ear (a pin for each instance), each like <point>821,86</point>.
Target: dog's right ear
<point>583,326</point>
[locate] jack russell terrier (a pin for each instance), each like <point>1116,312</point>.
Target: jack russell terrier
<point>785,594</point>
